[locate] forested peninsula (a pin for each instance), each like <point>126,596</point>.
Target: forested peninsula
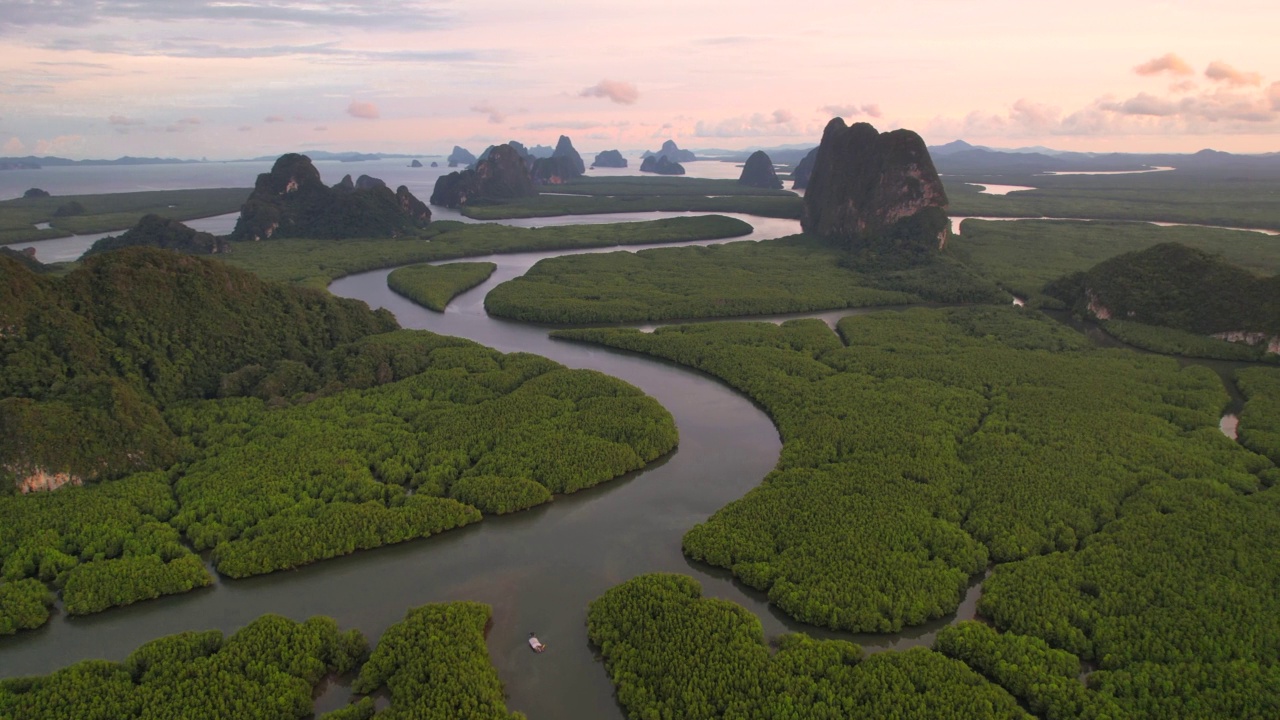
<point>433,664</point>
<point>203,408</point>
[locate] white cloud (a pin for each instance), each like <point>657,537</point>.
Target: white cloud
<point>122,120</point>
<point>852,110</point>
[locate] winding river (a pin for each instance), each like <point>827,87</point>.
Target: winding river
<point>538,569</point>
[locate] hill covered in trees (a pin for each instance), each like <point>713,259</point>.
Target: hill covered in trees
<point>1181,288</point>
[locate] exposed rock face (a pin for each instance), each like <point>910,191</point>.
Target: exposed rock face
<point>553,170</point>
<point>609,158</point>
<point>875,191</point>
<point>460,156</point>
<point>758,172</point>
<point>804,170</point>
<point>412,206</point>
<point>44,481</point>
<point>661,165</point>
<point>36,193</point>
<point>564,149</point>
<point>291,201</point>
<point>672,153</point>
<point>417,164</point>
<point>501,174</point>
<point>156,231</point>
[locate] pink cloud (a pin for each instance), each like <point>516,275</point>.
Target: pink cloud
<point>364,110</point>
<point>60,144</point>
<point>122,120</point>
<point>851,110</point>
<point>1222,72</point>
<point>496,116</point>
<point>189,121</point>
<point>273,119</point>
<point>1273,93</point>
<point>623,93</point>
<point>1167,63</point>
<point>14,146</point>
<point>1143,104</point>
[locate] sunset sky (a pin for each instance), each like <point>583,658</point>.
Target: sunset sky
<point>241,78</point>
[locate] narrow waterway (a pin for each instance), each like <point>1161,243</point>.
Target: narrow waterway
<point>538,569</point>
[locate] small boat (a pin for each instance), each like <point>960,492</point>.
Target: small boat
<point>536,644</point>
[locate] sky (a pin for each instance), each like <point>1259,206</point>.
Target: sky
<point>227,79</point>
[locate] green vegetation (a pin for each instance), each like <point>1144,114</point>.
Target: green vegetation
<point>643,194</point>
<point>934,441</point>
<point>1260,421</point>
<point>433,286</point>
<point>102,546</point>
<point>1128,530</point>
<point>107,212</point>
<point>1043,679</point>
<point>553,205</point>
<point>792,274</point>
<point>91,359</point>
<point>1023,256</point>
<point>24,605</point>
<point>436,667</point>
<point>674,654</point>
<point>266,670</point>
<point>433,663</point>
<point>1169,341</point>
<point>320,425</point>
<point>316,263</point>
<point>1183,197</point>
<point>1175,286</point>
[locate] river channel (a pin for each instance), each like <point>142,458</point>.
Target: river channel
<point>538,569</point>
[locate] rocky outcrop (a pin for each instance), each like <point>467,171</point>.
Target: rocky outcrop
<point>804,170</point>
<point>435,164</point>
<point>164,233</point>
<point>661,165</point>
<point>364,182</point>
<point>875,191</point>
<point>417,164</point>
<point>564,149</point>
<point>500,175</point>
<point>291,201</point>
<point>758,172</point>
<point>44,481</point>
<point>671,152</point>
<point>460,156</point>
<point>412,207</point>
<point>609,158</point>
<point>553,171</point>
<point>36,194</point>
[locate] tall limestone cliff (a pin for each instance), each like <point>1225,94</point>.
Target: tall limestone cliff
<point>564,148</point>
<point>804,170</point>
<point>758,172</point>
<point>875,192</point>
<point>672,152</point>
<point>501,174</point>
<point>291,201</point>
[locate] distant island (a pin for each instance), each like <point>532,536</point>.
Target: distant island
<point>661,165</point>
<point>609,158</point>
<point>672,152</point>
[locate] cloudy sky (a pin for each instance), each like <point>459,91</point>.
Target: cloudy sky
<point>238,78</point>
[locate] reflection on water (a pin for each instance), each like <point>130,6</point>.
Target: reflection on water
<point>957,219</point>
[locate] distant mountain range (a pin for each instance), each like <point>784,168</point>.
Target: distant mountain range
<point>32,162</point>
<point>961,158</point>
